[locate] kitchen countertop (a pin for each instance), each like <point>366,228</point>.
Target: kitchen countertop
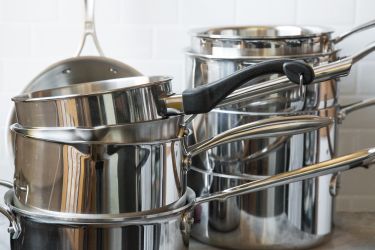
<point>352,231</point>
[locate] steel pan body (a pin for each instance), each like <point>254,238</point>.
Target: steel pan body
<point>288,217</point>
<point>294,216</point>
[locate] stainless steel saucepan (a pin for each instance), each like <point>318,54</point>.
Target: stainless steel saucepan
<point>268,41</point>
<point>170,230</point>
<point>123,168</point>
<point>138,99</point>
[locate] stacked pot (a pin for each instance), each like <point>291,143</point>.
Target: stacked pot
<point>103,165</point>
<point>293,216</point>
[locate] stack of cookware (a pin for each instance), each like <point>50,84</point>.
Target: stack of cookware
<point>102,161</point>
<point>298,215</point>
<point>103,165</point>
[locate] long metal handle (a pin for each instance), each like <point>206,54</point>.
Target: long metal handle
<point>357,29</point>
<point>357,159</point>
<point>14,229</point>
<point>322,73</point>
<point>353,107</point>
<point>271,127</point>
<point>89,28</point>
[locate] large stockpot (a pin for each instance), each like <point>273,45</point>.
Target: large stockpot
<point>268,41</point>
<point>33,229</point>
<point>126,168</point>
<point>138,99</point>
<point>252,160</point>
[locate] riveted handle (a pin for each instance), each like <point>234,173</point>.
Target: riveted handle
<point>204,98</point>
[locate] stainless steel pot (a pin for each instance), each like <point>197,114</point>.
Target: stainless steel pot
<point>124,168</point>
<point>276,96</point>
<point>268,41</point>
<point>257,159</point>
<point>138,99</point>
<point>32,229</point>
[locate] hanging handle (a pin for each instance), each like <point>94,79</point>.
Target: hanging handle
<point>89,28</point>
<point>204,98</point>
<point>355,30</point>
<point>350,161</point>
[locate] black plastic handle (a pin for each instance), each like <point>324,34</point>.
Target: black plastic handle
<point>204,98</point>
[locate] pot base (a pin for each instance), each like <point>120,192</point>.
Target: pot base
<point>258,233</point>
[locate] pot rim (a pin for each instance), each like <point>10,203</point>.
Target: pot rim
<point>307,31</point>
<point>93,88</point>
<point>122,219</point>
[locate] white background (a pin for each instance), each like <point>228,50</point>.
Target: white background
<point>151,36</point>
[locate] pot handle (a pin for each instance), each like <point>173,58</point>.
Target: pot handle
<point>89,28</point>
<point>353,107</point>
<point>204,98</point>
<point>270,127</point>
<point>14,229</point>
<point>322,73</point>
<point>354,30</point>
<point>358,159</point>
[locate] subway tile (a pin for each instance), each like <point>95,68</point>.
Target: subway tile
<point>322,12</point>
<point>197,13</point>
<point>54,41</point>
<point>364,11</point>
<point>171,43</point>
<point>15,40</point>
<point>28,11</point>
<point>131,42</point>
<point>106,11</point>
<point>150,12</point>
<point>265,12</point>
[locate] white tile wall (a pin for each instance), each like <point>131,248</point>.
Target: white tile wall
<point>152,34</point>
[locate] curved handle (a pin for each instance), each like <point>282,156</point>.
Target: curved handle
<point>270,127</point>
<point>357,29</point>
<point>357,159</point>
<point>14,229</point>
<point>204,98</point>
<point>322,73</point>
<point>89,28</point>
<point>353,107</point>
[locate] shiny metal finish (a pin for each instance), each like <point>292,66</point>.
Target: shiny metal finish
<point>169,230</point>
<point>74,70</point>
<point>101,175</point>
<point>293,216</point>
<point>109,102</point>
<point>273,217</point>
<point>138,99</point>
<point>268,41</point>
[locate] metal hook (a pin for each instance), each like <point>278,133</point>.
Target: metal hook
<point>301,88</point>
<point>89,28</point>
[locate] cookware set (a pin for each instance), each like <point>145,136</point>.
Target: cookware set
<point>302,211</point>
<point>106,158</point>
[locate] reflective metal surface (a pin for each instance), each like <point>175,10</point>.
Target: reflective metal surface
<point>268,41</point>
<point>139,99</point>
<point>294,216</point>
<point>107,176</point>
<point>169,230</point>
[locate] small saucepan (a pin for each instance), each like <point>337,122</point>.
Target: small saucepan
<point>138,99</point>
